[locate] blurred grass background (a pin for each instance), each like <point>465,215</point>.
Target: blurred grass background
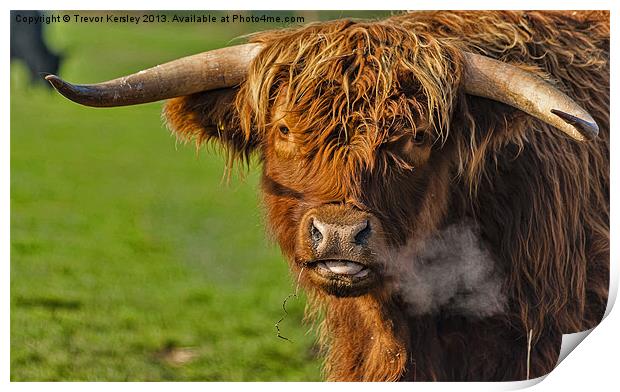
<point>131,259</point>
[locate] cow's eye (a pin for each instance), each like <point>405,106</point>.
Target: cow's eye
<point>284,130</point>
<point>419,138</point>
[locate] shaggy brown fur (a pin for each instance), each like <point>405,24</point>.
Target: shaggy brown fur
<point>332,108</point>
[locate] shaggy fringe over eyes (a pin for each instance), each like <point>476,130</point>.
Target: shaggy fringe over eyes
<point>350,84</point>
<point>512,36</point>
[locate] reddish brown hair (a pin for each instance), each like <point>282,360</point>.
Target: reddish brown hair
<point>541,201</point>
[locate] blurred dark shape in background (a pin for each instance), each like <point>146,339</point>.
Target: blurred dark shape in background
<point>28,45</point>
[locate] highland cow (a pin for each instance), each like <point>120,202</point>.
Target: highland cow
<point>438,181</point>
<point>28,44</point>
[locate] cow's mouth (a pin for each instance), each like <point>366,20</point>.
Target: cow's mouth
<point>342,278</point>
<point>341,268</point>
<point>338,246</point>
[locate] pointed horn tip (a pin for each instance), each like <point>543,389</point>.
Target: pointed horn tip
<point>588,129</point>
<point>54,80</point>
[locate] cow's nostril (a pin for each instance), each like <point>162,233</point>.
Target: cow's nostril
<point>315,234</point>
<point>361,238</point>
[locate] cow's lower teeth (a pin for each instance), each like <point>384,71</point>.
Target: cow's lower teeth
<point>344,267</point>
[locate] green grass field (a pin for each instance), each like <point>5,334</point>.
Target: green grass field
<point>131,259</point>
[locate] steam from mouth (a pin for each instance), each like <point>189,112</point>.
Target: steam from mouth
<point>451,271</point>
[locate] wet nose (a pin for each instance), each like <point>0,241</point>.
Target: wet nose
<point>323,233</point>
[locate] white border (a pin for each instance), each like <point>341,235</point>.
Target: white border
<point>592,365</point>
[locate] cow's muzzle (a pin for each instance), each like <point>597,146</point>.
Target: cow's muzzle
<point>338,245</point>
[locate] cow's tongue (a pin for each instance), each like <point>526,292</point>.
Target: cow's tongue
<point>343,267</point>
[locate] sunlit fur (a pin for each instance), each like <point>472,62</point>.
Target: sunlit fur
<point>347,90</point>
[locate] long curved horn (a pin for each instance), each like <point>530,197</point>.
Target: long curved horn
<point>211,70</point>
<point>499,81</point>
